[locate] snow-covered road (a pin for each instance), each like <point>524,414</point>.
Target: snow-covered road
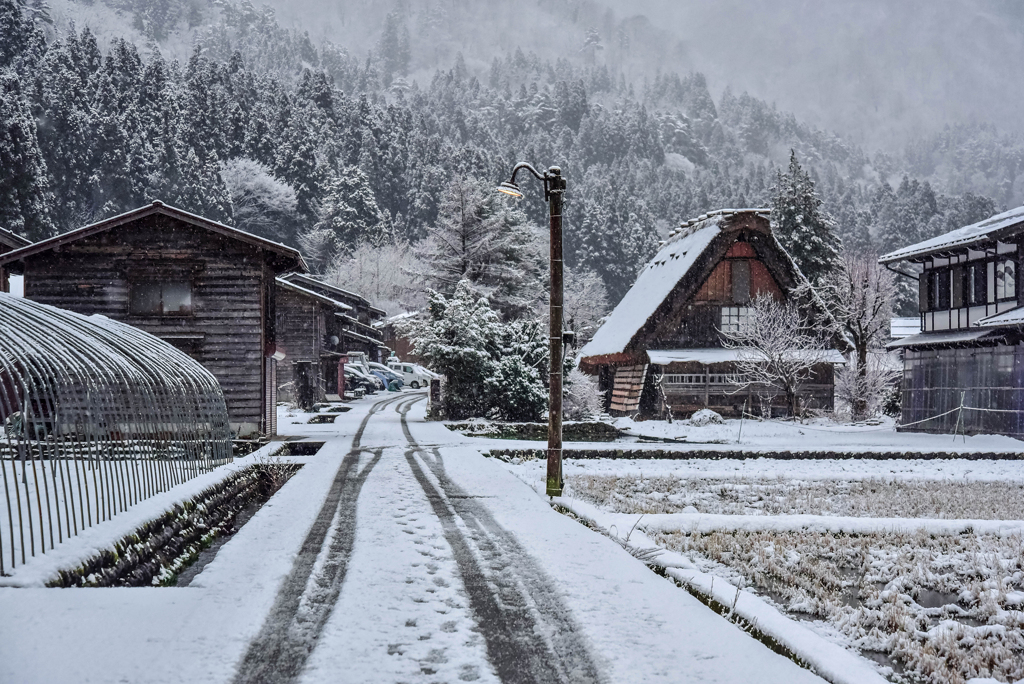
<point>397,554</point>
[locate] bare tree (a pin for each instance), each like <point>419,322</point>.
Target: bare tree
<point>385,272</point>
<point>859,297</point>
<point>586,302</point>
<point>778,348</point>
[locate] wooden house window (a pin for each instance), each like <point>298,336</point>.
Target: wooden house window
<point>1006,280</point>
<point>741,282</point>
<point>154,298</point>
<point>734,318</point>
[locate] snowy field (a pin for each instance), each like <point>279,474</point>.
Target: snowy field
<point>916,565</point>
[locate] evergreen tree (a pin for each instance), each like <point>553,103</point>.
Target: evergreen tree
<point>460,339</point>
<point>24,184</point>
<point>801,226</point>
<point>480,240</point>
<point>349,209</point>
<point>393,48</point>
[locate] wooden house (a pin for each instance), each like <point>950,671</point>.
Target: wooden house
<point>970,348</point>
<point>306,323</point>
<point>660,349</point>
<point>206,288</point>
<point>347,327</point>
<point>9,242</point>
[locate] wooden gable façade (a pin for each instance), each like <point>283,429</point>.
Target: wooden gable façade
<point>205,288</point>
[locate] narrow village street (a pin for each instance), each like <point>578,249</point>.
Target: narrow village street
<point>397,554</point>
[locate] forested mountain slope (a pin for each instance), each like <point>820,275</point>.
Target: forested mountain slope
<point>263,127</point>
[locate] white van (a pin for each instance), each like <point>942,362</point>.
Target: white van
<point>414,376</point>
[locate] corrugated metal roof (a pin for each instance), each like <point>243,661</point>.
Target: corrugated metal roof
<point>708,355</point>
<point>1007,318</point>
<point>992,228</point>
<point>932,339</point>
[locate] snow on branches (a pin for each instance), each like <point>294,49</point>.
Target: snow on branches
<point>778,349</point>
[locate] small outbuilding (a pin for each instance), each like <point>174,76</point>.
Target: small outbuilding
<point>964,370</point>
<point>204,287</point>
<point>661,350</point>
<point>345,324</point>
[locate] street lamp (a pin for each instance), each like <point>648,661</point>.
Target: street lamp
<point>554,190</point>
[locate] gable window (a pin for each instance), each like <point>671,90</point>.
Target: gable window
<point>734,318</point>
<point>161,298</point>
<point>1006,280</point>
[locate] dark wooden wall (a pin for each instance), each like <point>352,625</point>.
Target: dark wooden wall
<point>229,331</point>
<point>300,332</point>
<point>935,381</point>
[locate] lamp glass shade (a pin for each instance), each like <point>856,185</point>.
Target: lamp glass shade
<point>510,189</point>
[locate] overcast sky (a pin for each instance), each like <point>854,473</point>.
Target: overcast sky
<point>879,71</point>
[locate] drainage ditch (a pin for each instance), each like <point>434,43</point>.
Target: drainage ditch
<point>158,552</point>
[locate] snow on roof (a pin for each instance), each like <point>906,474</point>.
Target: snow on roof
<point>1011,317</point>
<point>292,256</point>
<point>991,228</point>
<point>928,339</point>
<point>281,282</point>
<point>904,327</point>
<point>652,286</point>
<point>663,357</point>
<point>316,282</point>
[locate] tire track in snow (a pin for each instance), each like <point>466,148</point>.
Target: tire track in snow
<point>530,634</point>
<point>280,650</point>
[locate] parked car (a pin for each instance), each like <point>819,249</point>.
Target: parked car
<point>415,376</point>
<point>388,373</point>
<point>358,378</point>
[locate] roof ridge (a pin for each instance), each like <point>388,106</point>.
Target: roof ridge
<point>690,226</point>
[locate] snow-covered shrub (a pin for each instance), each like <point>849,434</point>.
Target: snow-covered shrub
<point>459,339</point>
<point>516,392</point>
<point>705,416</point>
<point>582,398</point>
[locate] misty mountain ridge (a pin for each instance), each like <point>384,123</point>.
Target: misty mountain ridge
<point>965,151</point>
<point>209,106</point>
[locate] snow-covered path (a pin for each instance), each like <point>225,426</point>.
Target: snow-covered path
<point>397,554</point>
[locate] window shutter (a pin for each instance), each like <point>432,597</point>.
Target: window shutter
<point>922,301</point>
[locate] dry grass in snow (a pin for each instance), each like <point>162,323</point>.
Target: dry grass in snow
<point>876,497</point>
<point>944,608</point>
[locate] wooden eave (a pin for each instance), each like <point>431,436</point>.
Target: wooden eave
<point>310,294</point>
<point>280,257</point>
<point>13,240</point>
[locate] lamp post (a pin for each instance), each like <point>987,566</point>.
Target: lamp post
<point>554,190</point>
